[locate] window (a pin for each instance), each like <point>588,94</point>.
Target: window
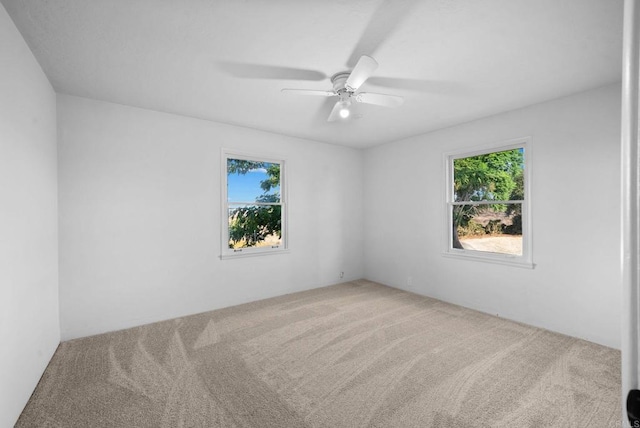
<point>253,220</point>
<point>488,215</point>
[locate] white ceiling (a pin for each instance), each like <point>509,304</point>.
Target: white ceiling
<point>226,60</point>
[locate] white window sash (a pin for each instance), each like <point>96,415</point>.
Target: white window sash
<point>227,252</point>
<point>524,260</point>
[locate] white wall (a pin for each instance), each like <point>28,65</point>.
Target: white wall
<point>29,326</point>
<point>575,287</point>
<point>140,217</point>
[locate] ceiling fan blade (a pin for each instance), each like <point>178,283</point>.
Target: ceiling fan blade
<point>379,99</point>
<point>324,108</point>
<point>429,86</point>
<point>335,112</point>
<point>310,92</point>
<point>361,72</point>
<point>262,71</point>
<point>382,25</point>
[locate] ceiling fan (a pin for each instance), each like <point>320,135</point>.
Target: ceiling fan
<point>345,87</point>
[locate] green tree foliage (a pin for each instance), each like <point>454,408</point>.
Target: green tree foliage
<point>273,177</point>
<point>240,166</point>
<point>495,176</point>
<point>489,177</point>
<point>250,225</point>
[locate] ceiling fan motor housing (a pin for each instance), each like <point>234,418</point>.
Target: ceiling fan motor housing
<point>339,81</point>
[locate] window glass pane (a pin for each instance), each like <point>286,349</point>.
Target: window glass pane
<point>254,225</point>
<point>488,228</point>
<point>489,177</point>
<point>252,181</point>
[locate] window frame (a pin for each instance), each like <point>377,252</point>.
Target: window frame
<point>526,259</point>
<point>228,253</point>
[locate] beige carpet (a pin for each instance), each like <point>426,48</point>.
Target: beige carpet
<point>353,355</point>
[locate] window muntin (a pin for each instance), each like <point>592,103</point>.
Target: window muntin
<point>254,214</point>
<point>487,209</point>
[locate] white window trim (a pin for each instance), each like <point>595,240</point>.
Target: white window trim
<point>225,251</point>
<point>526,259</point>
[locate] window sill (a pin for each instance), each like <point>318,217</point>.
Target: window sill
<point>243,254</point>
<point>490,258</point>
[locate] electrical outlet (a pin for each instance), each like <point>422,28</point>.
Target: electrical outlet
<point>409,281</point>
<point>341,274</point>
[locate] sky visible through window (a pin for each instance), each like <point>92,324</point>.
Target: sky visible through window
<point>246,187</point>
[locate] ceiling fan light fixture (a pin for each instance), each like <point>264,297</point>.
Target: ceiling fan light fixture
<point>344,110</point>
